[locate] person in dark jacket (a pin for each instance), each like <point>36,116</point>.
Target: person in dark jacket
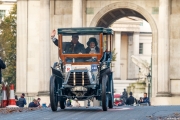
<point>33,104</point>
<point>92,46</point>
<point>145,99</point>
<point>22,100</point>
<point>131,100</point>
<point>73,47</point>
<point>2,66</point>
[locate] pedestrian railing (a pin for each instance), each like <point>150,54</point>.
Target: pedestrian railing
<point>28,100</point>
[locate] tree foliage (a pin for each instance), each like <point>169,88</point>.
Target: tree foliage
<point>8,45</point>
<point>114,55</point>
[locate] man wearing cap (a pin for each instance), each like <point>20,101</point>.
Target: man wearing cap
<point>2,66</point>
<point>74,47</point>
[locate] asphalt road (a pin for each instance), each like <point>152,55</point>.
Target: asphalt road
<point>96,113</point>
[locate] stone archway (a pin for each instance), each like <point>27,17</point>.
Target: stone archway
<point>107,15</point>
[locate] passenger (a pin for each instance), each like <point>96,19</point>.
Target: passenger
<point>92,46</point>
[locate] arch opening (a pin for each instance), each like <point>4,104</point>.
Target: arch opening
<point>116,14</point>
<point>110,13</point>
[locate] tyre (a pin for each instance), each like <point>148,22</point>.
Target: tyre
<point>104,97</point>
<point>53,93</point>
<point>62,104</point>
<point>111,101</point>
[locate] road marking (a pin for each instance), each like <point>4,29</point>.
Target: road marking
<point>121,109</point>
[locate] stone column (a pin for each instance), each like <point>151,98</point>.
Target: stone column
<point>21,62</point>
<point>163,89</point>
<point>44,48</point>
<point>77,16</point>
<point>131,65</point>
<point>118,56</point>
<point>136,51</point>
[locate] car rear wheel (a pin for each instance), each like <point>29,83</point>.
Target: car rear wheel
<point>104,96</point>
<point>53,93</point>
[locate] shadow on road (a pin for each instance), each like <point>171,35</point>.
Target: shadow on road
<point>73,109</point>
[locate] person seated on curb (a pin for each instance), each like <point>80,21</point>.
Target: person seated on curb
<point>38,102</point>
<point>68,103</point>
<point>22,100</point>
<point>131,100</point>
<point>33,104</point>
<point>16,100</point>
<point>140,100</point>
<point>145,99</point>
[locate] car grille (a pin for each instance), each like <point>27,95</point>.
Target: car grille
<point>78,79</point>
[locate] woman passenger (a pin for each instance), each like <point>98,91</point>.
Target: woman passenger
<point>92,46</point>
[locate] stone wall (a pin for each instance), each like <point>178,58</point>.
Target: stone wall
<point>175,48</point>
<point>29,35</point>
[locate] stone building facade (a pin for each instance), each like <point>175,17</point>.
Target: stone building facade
<point>135,37</point>
<point>36,53</point>
<point>5,7</point>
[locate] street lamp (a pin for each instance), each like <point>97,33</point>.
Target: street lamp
<point>149,81</point>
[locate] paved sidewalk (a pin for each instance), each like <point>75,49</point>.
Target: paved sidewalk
<point>96,113</point>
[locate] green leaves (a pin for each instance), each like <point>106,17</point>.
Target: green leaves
<point>114,55</point>
<point>8,45</point>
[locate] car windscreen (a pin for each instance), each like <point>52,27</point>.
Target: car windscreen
<point>80,44</point>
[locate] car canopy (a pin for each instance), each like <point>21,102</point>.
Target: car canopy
<point>85,31</point>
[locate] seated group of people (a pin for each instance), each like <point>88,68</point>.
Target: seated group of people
<point>131,100</point>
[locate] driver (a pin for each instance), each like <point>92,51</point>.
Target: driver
<point>74,47</point>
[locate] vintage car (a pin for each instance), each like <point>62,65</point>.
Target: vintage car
<point>84,69</point>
